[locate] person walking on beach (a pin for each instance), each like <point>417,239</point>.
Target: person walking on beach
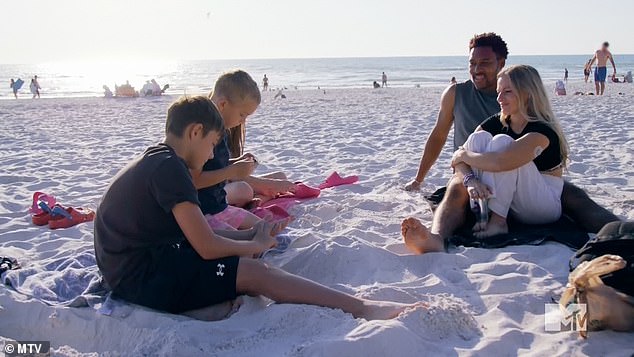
<point>464,106</point>
<point>265,83</point>
<point>587,70</point>
<point>383,80</point>
<point>37,86</point>
<point>566,75</point>
<point>601,56</point>
<point>33,88</point>
<point>15,86</point>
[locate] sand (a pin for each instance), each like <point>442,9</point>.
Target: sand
<point>483,302</point>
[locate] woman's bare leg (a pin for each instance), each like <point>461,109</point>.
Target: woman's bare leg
<point>257,278</point>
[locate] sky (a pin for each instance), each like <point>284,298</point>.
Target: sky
<point>41,31</point>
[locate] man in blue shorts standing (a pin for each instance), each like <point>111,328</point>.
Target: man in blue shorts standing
<point>600,73</point>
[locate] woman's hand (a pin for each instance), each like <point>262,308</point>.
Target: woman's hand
<point>458,156</point>
<point>477,189</point>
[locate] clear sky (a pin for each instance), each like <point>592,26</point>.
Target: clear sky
<point>34,31</point>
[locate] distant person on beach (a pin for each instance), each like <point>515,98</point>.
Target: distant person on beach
<point>453,80</point>
<point>587,70</point>
<point>376,85</point>
<point>154,247</point>
<point>33,88</point>
<point>464,106</point>
<point>601,56</point>
<point>156,88</point>
<point>15,86</point>
<point>37,85</point>
<point>384,80</point>
<point>107,92</point>
<point>280,94</point>
<point>265,83</point>
<point>146,90</point>
<point>628,77</point>
<point>560,87</point>
<point>566,75</point>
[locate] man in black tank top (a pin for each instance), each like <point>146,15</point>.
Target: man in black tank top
<point>465,106</point>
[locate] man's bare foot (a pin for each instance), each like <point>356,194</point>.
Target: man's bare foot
<point>215,312</point>
<point>497,225</point>
<point>384,310</point>
<point>418,239</point>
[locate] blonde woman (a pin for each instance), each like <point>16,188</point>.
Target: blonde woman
<point>515,159</point>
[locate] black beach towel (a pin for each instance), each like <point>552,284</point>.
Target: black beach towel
<point>564,231</point>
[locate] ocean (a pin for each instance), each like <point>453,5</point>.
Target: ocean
<point>194,77</point>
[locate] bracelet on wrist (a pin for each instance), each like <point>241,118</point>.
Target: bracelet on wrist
<point>470,176</point>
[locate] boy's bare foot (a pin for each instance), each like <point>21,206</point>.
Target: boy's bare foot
<point>497,225</point>
<point>384,310</point>
<point>418,239</point>
<point>215,312</point>
<point>253,204</point>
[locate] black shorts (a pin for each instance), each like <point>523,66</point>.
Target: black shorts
<point>180,280</point>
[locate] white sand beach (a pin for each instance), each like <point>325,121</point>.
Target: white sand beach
<point>483,302</point>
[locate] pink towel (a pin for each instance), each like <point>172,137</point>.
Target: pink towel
<point>277,208</point>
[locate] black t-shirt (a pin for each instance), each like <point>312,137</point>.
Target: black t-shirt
<point>213,199</point>
<point>135,219</point>
<point>549,159</point>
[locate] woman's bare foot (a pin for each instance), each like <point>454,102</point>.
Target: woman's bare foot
<point>497,225</point>
<point>418,239</point>
<point>384,310</point>
<point>215,312</point>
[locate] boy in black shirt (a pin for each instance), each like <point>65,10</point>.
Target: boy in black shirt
<point>155,248</point>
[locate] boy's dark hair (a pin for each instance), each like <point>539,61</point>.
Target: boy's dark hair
<point>490,39</point>
<point>193,110</point>
<point>237,85</point>
<point>606,44</point>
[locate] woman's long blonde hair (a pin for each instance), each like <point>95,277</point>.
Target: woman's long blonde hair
<point>533,102</point>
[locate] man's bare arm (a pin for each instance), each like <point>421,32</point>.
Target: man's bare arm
<point>437,138</point>
<point>612,61</point>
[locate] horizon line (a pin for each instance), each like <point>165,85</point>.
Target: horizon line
<point>282,58</point>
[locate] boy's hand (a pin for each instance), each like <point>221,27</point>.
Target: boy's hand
<point>263,237</point>
<point>413,186</point>
<point>247,156</point>
<point>242,168</point>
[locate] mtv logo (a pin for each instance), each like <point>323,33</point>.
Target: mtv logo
<point>571,318</point>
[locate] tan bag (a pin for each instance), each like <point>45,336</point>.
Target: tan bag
<point>606,307</point>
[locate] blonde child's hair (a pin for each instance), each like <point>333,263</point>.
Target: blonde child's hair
<point>533,102</point>
<point>236,86</point>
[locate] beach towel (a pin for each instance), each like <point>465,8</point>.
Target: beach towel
<point>71,281</point>
<point>564,231</point>
<point>277,208</point>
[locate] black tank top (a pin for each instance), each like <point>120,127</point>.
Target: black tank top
<point>549,159</point>
<point>470,108</point>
